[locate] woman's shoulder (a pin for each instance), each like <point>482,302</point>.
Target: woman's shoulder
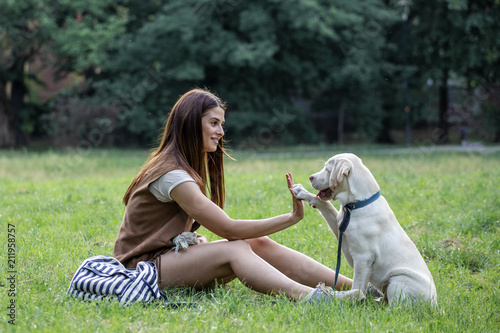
<point>162,187</point>
<point>159,168</point>
<point>175,174</point>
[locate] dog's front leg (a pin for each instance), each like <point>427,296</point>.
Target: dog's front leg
<point>362,273</point>
<point>326,209</point>
<point>330,214</point>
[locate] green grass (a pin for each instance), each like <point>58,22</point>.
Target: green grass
<point>67,207</point>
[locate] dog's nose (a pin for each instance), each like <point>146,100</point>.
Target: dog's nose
<point>311,178</point>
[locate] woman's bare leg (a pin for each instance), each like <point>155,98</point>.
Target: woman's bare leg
<point>296,265</point>
<point>200,265</point>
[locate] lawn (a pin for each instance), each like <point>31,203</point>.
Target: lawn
<point>58,208</point>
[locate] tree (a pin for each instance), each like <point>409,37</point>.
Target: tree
<point>266,58</point>
<point>358,69</point>
<point>456,40</point>
<point>21,38</point>
<point>291,71</point>
<point>76,32</point>
<point>7,135</point>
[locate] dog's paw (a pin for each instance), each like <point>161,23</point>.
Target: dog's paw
<point>302,194</point>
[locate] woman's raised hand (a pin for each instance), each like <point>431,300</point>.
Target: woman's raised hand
<point>298,205</point>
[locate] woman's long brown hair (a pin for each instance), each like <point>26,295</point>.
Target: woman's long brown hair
<point>182,143</point>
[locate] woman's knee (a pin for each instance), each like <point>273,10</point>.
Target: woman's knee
<point>235,247</point>
<point>261,243</point>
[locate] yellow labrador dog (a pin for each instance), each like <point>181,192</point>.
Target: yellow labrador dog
<point>375,245</point>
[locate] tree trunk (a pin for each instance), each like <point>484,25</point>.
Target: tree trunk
<point>442,135</point>
<point>7,136</point>
<point>340,124</point>
<point>384,136</point>
<point>17,101</point>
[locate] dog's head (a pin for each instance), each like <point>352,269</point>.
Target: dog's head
<point>344,177</point>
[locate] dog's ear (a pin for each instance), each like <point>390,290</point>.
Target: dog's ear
<point>340,169</point>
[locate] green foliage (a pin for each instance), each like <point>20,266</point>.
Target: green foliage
<point>77,121</point>
<point>258,56</point>
<point>67,206</point>
<point>334,67</point>
<point>67,36</point>
<point>87,33</point>
<point>455,43</point>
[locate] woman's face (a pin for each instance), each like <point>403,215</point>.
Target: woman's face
<point>211,124</point>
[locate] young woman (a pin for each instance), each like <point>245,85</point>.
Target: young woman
<point>168,198</point>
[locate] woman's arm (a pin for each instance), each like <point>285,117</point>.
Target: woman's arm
<point>209,215</point>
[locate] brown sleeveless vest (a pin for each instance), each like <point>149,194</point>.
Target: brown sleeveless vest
<point>149,225</point>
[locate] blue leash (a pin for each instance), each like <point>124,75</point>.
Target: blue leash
<point>345,223</point>
<point>342,228</point>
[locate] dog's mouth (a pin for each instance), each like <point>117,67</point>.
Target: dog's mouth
<point>325,194</point>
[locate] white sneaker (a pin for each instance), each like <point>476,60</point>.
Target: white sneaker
<point>323,293</point>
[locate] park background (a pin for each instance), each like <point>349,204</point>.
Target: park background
<point>87,74</point>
